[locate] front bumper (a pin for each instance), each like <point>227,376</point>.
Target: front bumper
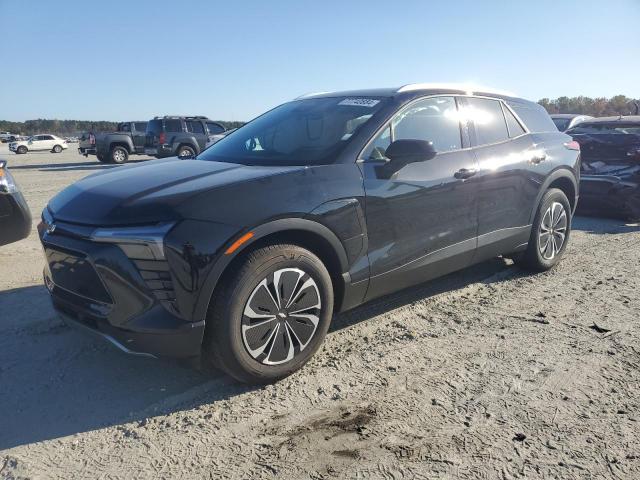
<point>130,303</point>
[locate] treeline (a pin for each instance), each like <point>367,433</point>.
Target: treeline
<point>70,127</point>
<point>596,107</point>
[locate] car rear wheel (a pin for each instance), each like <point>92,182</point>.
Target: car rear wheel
<point>270,314</point>
<point>185,151</point>
<point>118,155</point>
<point>57,149</point>
<point>21,149</point>
<point>549,233</point>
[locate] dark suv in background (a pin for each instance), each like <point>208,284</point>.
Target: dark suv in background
<point>244,252</point>
<point>183,137</point>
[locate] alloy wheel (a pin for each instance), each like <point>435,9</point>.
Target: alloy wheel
<point>281,316</point>
<point>553,231</point>
<point>118,156</point>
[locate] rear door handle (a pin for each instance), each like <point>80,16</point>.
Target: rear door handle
<point>465,173</point>
<point>536,159</point>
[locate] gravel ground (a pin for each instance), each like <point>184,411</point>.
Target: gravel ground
<point>487,373</point>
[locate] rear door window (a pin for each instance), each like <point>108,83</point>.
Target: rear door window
<point>173,126</point>
<point>140,126</point>
<point>488,120</point>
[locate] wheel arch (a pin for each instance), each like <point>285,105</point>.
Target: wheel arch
<point>188,142</point>
<point>563,179</point>
<point>124,145</point>
<point>313,236</point>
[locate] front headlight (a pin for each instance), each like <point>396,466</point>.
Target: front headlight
<point>144,242</point>
<point>7,183</point>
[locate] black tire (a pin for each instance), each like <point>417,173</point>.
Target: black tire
<point>185,151</point>
<point>57,149</point>
<point>548,214</point>
<point>228,347</point>
<point>118,155</point>
<point>22,150</point>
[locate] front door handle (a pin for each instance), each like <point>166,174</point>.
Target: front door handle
<point>464,173</point>
<point>538,158</point>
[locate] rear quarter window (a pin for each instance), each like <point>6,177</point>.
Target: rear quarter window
<point>534,116</point>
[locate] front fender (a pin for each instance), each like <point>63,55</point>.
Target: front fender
<point>198,266</point>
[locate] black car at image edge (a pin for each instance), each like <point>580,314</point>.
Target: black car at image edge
<point>15,216</point>
<point>242,254</point>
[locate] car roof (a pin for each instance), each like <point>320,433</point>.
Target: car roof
<point>616,119</point>
<point>418,89</point>
<point>569,115</point>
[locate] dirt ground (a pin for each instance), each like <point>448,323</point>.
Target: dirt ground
<point>487,373</point>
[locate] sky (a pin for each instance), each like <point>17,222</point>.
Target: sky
<point>232,60</point>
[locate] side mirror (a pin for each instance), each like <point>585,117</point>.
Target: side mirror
<point>410,151</point>
<point>402,153</point>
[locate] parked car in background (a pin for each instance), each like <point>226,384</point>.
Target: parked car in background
<point>15,217</point>
<point>115,147</point>
<point>175,136</point>
<point>218,136</point>
<point>48,143</point>
<point>7,137</point>
<point>565,121</point>
<point>610,179</point>
<point>244,253</point>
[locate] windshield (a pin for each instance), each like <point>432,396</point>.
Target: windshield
<point>562,123</point>
<point>303,132</point>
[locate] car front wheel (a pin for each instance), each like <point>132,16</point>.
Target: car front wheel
<point>549,232</point>
<point>57,149</point>
<point>270,315</point>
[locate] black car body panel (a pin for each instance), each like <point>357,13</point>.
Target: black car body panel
<point>15,216</point>
<point>610,174</point>
<point>378,225</point>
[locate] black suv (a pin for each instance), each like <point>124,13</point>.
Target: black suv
<point>245,252</point>
<point>182,137</point>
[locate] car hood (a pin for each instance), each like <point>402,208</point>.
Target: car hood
<point>149,192</point>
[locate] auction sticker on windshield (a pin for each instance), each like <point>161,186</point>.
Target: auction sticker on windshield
<point>360,102</point>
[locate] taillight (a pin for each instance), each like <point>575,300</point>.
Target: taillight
<point>92,139</point>
<point>161,138</point>
<point>572,145</point>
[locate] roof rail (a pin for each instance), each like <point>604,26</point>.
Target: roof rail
<point>189,117</point>
<point>469,88</point>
